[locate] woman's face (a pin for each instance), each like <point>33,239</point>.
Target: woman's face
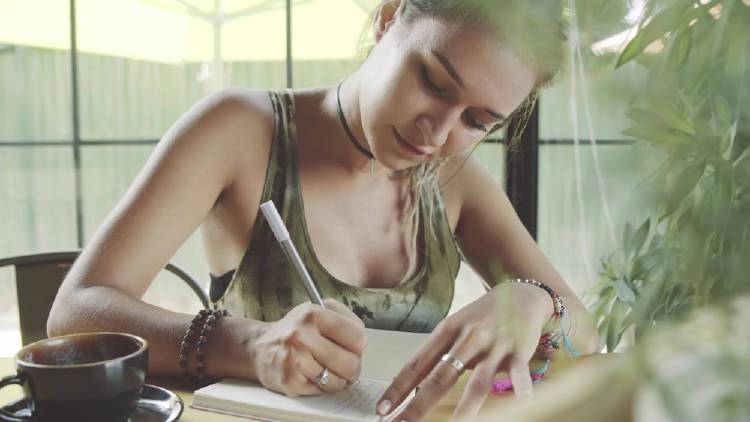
<point>430,91</point>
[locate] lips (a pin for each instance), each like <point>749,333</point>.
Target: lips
<point>420,152</point>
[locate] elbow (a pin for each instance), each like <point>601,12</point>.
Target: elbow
<point>61,318</point>
<point>57,319</point>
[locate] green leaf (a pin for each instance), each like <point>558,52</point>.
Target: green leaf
<point>639,268</point>
<point>677,121</point>
<point>645,117</point>
<point>682,47</point>
<point>654,136</point>
<point>624,292</point>
<point>627,236</point>
<point>615,321</point>
<point>722,111</point>
<point>632,50</point>
<point>641,235</point>
<point>670,19</point>
<point>681,183</point>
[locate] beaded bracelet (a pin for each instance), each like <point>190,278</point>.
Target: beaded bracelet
<point>188,338</point>
<point>557,302</point>
<point>200,346</point>
<point>557,333</point>
<point>205,319</point>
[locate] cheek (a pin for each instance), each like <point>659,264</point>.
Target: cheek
<point>389,98</point>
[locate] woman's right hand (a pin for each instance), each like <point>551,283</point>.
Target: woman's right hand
<point>291,353</point>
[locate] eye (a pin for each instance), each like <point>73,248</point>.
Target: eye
<point>475,124</point>
<point>440,92</point>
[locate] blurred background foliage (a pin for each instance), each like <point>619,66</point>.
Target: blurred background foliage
<point>691,250</point>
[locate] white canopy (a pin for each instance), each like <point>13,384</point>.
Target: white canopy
<point>176,31</point>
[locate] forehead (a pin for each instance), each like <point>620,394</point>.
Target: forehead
<point>493,75</point>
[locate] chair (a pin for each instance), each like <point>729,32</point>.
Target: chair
<point>38,278</point>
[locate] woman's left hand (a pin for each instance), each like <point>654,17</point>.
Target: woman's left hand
<point>498,332</point>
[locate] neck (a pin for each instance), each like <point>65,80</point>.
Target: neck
<point>318,118</point>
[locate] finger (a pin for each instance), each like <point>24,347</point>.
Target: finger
<point>337,359</point>
<point>301,386</point>
<point>443,376</point>
<point>418,367</point>
<point>292,381</point>
<point>479,384</point>
<point>518,371</point>
<point>313,369</point>
<point>342,330</point>
<point>339,307</point>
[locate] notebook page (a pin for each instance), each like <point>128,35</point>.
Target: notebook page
<point>356,403</point>
<point>387,352</point>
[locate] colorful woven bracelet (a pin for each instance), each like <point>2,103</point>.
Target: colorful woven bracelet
<point>559,309</point>
<point>553,339</point>
<point>502,385</point>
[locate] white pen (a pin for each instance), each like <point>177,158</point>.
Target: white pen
<point>282,235</point>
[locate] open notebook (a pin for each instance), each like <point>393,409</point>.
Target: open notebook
<point>387,352</point>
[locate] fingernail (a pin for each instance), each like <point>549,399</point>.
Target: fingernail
<point>384,407</point>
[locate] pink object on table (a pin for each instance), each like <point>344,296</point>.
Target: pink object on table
<point>505,384</point>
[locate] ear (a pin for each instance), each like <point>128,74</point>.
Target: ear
<point>385,16</point>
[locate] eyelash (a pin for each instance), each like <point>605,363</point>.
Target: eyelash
<point>470,121</point>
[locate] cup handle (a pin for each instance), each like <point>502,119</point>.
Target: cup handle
<point>4,414</point>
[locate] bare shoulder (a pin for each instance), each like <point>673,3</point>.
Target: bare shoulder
<point>463,179</point>
<point>235,123</point>
<point>203,154</point>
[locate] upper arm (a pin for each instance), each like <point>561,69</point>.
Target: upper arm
<point>194,162</point>
<point>492,237</point>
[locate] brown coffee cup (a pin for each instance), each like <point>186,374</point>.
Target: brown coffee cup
<point>80,377</point>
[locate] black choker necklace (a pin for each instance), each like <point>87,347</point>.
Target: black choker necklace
<point>348,131</point>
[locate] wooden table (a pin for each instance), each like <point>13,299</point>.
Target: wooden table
<point>441,412</point>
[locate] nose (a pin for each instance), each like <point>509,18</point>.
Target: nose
<point>435,127</point>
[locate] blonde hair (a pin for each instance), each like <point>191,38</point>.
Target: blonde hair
<point>510,20</point>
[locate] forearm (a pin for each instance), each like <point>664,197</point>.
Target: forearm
<point>103,308</point>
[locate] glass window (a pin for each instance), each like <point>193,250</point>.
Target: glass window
<point>37,214</point>
<point>575,247</point>
<point>609,92</point>
<point>135,83</point>
<point>37,199</point>
<point>35,96</point>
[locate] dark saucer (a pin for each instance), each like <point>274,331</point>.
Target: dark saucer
<point>155,405</point>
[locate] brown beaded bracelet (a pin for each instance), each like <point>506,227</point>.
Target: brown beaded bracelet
<point>188,338</point>
<point>200,352</point>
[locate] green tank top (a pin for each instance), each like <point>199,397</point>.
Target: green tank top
<point>265,286</point>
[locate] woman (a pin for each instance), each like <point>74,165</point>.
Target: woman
<point>381,161</point>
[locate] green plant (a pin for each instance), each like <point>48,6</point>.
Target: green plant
<point>693,249</point>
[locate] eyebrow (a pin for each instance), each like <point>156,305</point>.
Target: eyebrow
<point>456,77</point>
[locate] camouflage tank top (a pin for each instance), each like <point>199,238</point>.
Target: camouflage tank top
<point>265,286</point>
